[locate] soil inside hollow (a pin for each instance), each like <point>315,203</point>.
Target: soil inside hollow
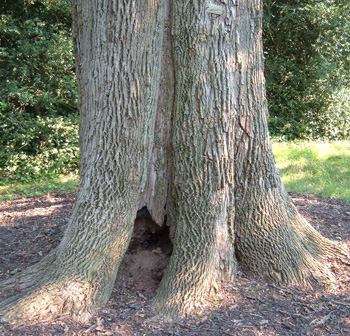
<point>31,227</point>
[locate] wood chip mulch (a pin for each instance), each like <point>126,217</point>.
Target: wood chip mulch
<point>30,227</point>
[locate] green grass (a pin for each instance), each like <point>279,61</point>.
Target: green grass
<point>306,167</point>
<point>319,168</point>
<point>13,189</point>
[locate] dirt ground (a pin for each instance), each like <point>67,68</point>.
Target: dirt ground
<point>30,227</point>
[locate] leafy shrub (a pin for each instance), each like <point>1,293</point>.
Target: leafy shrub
<point>38,96</point>
<point>307,45</point>
<point>37,146</point>
<point>36,67</point>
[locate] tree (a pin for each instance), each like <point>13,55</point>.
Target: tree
<point>173,116</point>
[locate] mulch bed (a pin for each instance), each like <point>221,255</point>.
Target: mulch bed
<point>30,227</point>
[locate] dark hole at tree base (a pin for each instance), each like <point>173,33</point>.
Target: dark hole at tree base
<point>147,256</point>
<point>148,235</point>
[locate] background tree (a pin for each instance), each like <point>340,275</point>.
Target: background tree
<point>185,135</point>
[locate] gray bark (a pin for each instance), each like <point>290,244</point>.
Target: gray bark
<point>202,189</point>
<point>155,196</point>
<point>118,57</point>
<point>271,236</point>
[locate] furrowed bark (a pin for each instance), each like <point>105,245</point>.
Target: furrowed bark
<point>118,55</point>
<point>271,236</point>
<point>202,158</point>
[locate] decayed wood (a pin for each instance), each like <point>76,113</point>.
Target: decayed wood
<point>155,196</point>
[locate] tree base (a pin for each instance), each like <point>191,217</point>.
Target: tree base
<point>48,290</point>
<point>49,301</point>
<point>293,253</point>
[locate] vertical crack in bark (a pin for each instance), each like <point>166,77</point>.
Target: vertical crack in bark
<point>170,45</point>
<point>156,194</point>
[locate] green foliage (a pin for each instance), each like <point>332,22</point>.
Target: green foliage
<point>35,146</point>
<point>320,168</point>
<point>36,66</point>
<point>307,45</point>
<point>38,96</point>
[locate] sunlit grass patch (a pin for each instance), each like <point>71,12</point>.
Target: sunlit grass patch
<point>305,167</point>
<point>12,189</point>
<point>320,168</point>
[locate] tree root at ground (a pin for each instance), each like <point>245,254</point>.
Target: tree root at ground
<point>48,301</point>
<point>298,257</point>
<point>293,253</point>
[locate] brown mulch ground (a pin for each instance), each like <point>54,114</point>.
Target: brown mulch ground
<point>30,227</point>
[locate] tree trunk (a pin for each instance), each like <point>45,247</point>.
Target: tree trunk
<point>202,189</point>
<point>228,198</point>
<point>181,127</point>
<point>118,57</point>
<point>270,235</point>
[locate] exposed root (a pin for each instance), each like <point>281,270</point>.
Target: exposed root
<point>43,295</point>
<point>190,283</point>
<point>294,254</point>
<point>48,301</point>
<point>301,266</point>
<point>313,250</point>
<point>174,300</point>
<point>29,277</point>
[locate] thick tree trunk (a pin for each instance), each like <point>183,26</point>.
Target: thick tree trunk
<point>118,57</point>
<point>271,237</point>
<point>180,127</point>
<point>202,189</point>
<point>228,198</point>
